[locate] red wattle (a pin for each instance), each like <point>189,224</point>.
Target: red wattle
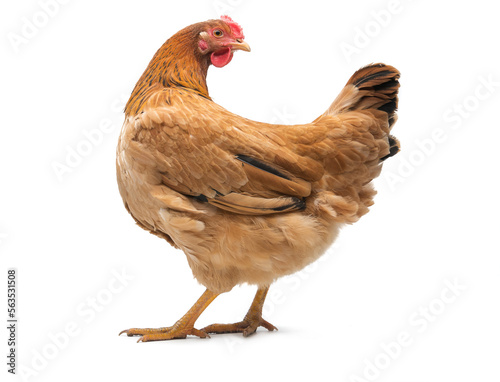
<point>222,57</point>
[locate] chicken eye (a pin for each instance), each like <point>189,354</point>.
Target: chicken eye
<point>218,33</point>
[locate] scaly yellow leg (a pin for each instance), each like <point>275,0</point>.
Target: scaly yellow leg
<point>182,328</point>
<point>250,323</point>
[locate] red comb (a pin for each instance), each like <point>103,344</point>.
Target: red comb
<point>236,30</point>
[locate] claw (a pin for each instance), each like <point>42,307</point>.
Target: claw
<point>129,332</point>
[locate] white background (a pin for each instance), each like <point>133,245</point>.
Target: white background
<point>434,221</point>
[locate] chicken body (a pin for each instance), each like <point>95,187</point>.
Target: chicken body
<point>248,202</point>
<point>223,248</point>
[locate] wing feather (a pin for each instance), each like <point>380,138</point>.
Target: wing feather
<point>199,149</point>
<point>196,156</point>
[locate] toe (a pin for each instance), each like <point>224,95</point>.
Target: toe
<point>268,325</point>
<point>144,331</point>
<point>199,333</point>
<point>225,328</point>
<point>130,332</point>
<point>251,329</point>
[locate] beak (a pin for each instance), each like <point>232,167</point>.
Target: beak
<point>240,45</point>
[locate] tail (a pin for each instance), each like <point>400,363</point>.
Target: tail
<point>366,109</point>
<point>374,87</point>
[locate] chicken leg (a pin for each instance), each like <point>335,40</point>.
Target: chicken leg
<point>250,323</point>
<point>182,328</point>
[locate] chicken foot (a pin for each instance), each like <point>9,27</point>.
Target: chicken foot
<point>182,328</point>
<point>253,319</point>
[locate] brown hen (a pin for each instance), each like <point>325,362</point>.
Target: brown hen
<point>247,202</point>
